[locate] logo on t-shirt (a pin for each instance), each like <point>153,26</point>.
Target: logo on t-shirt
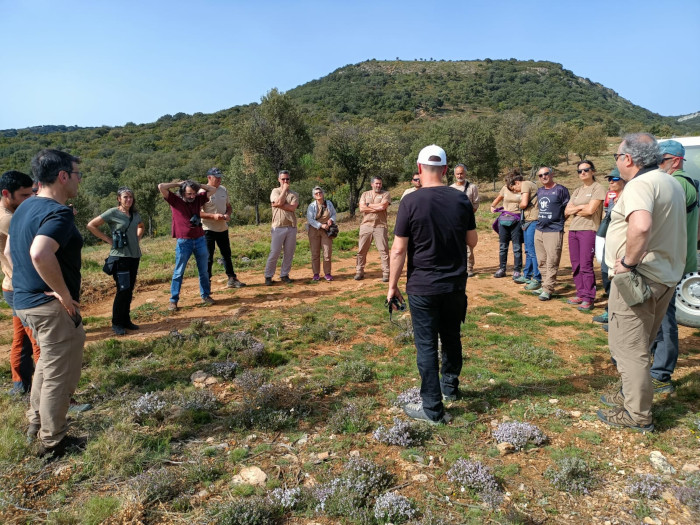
<point>544,203</point>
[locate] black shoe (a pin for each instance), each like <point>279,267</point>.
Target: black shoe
<point>118,330</point>
<point>286,279</point>
<point>32,432</point>
<point>67,444</point>
<point>131,326</point>
<point>268,281</point>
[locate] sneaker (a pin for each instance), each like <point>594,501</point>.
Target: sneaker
<point>449,398</point>
<point>518,275</point>
<point>574,300</point>
<point>585,306</point>
<point>173,306</point>
<point>602,318</point>
<point>118,330</point>
<point>605,327</point>
<point>538,291</point>
<point>131,326</point>
<point>32,432</point>
<point>316,277</point>
<point>615,399</point>
<point>415,411</point>
<point>268,281</point>
<point>471,274</point>
<point>208,300</point>
<point>619,417</point>
<point>234,283</point>
<point>18,389</point>
<point>359,276</point>
<point>63,447</point>
<point>328,277</point>
<point>534,284</point>
<point>286,279</point>
<point>500,273</point>
<point>545,296</point>
<point>385,278</point>
<point>521,279</point>
<point>662,387</point>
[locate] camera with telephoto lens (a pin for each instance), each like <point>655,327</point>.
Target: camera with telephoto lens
<point>119,239</point>
<point>195,221</point>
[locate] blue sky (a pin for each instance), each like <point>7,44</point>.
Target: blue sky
<point>93,63</point>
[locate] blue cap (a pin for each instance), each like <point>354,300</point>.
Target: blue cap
<point>672,147</point>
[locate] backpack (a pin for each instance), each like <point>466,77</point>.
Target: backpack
<point>696,185</point>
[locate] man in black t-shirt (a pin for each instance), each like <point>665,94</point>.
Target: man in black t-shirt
<point>45,249</point>
<point>431,228</point>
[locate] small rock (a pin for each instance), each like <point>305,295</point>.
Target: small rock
<point>420,478</point>
<point>251,437</point>
<point>494,423</point>
<point>492,381</point>
<point>487,326</point>
<point>61,470</point>
<point>210,380</point>
<point>521,487</point>
<point>660,463</point>
<point>621,472</point>
<point>354,453</point>
<point>553,401</point>
<point>309,481</point>
<point>493,314</point>
<point>199,376</point>
<point>671,522</point>
<point>202,494</point>
<point>251,476</point>
<point>505,448</point>
<point>690,467</point>
<point>668,497</point>
<point>323,456</point>
<point>575,413</point>
<point>607,522</point>
<point>302,440</point>
<point>245,259</point>
<point>652,521</point>
<point>210,440</point>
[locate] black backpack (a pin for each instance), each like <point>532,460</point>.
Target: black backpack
<point>696,185</point>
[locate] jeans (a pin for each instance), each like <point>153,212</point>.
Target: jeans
<point>122,300</point>
<point>531,270</point>
<point>434,315</point>
<point>221,239</point>
<point>665,345</point>
<point>507,234</point>
<point>183,250</point>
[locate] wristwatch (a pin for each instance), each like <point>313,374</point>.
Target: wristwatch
<point>628,266</point>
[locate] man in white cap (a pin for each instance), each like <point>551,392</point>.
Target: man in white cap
<point>432,226</point>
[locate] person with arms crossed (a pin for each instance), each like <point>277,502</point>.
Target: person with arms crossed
<point>471,190</point>
<point>373,205</point>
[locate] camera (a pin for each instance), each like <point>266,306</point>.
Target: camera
<point>119,239</point>
<point>398,305</point>
<point>195,221</point>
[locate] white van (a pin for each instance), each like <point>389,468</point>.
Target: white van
<point>688,290</point>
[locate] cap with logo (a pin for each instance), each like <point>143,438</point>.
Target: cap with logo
<point>432,156</point>
<point>214,172</point>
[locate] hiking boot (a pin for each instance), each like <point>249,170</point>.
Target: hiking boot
<point>471,274</point>
<point>615,399</point>
<point>500,273</point>
<point>415,411</point>
<point>173,306</point>
<point>385,278</point>
<point>118,330</point>
<point>131,326</point>
<point>67,444</point>
<point>574,300</point>
<point>662,387</point>
<point>534,284</point>
<point>521,279</point>
<point>602,318</point>
<point>585,306</point>
<point>316,277</point>
<point>518,275</point>
<point>286,279</point>
<point>328,277</point>
<point>268,281</point>
<point>208,300</point>
<point>234,283</point>
<point>359,276</point>
<point>619,417</point>
<point>544,296</point>
<point>32,432</point>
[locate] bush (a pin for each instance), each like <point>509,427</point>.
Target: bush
<point>519,434</point>
<point>254,510</point>
<point>392,507</point>
<point>474,476</point>
<point>571,475</point>
<point>355,371</point>
<point>351,418</point>
<point>402,434</point>
<point>646,486</point>
<point>162,484</point>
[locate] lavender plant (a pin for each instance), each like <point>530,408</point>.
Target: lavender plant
<point>355,371</point>
<point>203,400</point>
<point>148,405</point>
<point>392,507</point>
<point>350,418</point>
<point>646,486</point>
<point>255,510</point>
<point>157,485</point>
<point>519,434</point>
<point>412,395</point>
<point>571,475</point>
<point>402,434</point>
<point>225,369</point>
<point>475,476</point>
<point>266,405</point>
<point>286,499</point>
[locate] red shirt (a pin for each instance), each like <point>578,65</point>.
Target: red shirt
<point>182,211</point>
<point>610,197</point>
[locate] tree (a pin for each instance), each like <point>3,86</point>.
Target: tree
<point>249,185</point>
<point>359,151</point>
<point>591,140</point>
<point>274,138</point>
<point>511,133</point>
<point>544,146</point>
<point>144,182</point>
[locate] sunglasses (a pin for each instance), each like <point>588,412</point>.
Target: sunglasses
<point>284,180</point>
<point>618,155</point>
<point>542,175</point>
<point>613,179</point>
<point>583,170</point>
<point>416,179</point>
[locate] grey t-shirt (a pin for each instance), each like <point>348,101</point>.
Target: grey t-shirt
<point>116,220</point>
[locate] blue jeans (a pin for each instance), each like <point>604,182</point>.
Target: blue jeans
<point>434,315</point>
<point>531,270</point>
<point>183,250</point>
<point>665,346</point>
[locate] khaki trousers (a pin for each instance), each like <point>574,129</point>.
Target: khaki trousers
<point>548,247</point>
<point>381,241</point>
<point>57,372</point>
<point>631,330</point>
<point>470,259</point>
<point>317,239</point>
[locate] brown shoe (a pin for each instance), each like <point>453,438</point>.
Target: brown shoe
<point>173,306</point>
<point>208,300</point>
<point>385,278</point>
<point>63,447</point>
<point>359,276</point>
<point>619,417</point>
<point>615,399</point>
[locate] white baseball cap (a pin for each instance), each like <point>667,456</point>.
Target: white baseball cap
<point>432,156</point>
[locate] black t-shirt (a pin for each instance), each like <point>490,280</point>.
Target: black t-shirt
<point>435,220</point>
<point>42,216</point>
